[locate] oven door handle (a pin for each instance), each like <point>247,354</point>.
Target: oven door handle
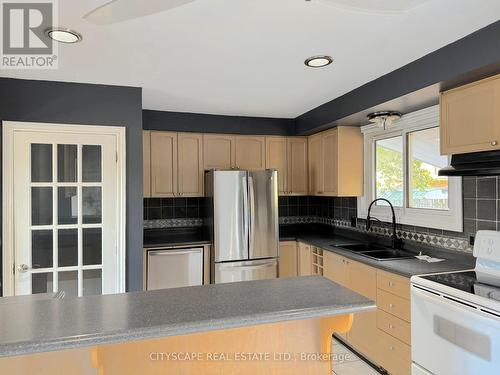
<point>452,303</point>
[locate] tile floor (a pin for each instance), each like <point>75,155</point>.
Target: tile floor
<point>348,363</point>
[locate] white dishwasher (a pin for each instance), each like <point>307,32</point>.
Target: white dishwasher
<point>174,268</point>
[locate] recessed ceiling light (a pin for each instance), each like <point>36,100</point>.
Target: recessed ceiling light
<point>318,61</point>
<point>64,35</point>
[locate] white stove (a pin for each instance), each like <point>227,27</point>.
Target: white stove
<point>456,316</point>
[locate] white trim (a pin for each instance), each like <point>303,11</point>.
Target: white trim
<point>451,219</point>
<point>11,127</point>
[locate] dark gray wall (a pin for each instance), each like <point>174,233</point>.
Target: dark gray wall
<point>71,103</point>
<point>473,52</point>
<point>203,123</point>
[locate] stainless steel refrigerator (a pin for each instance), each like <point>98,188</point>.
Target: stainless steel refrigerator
<point>243,224</point>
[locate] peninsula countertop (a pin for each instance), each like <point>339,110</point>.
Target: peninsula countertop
<point>51,325</point>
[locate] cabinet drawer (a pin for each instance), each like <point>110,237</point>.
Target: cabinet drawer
<point>393,304</point>
<point>394,284</point>
<point>394,326</point>
<point>394,355</point>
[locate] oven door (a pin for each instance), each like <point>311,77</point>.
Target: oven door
<point>449,337</point>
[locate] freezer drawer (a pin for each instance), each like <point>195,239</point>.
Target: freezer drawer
<point>245,271</point>
<point>174,268</point>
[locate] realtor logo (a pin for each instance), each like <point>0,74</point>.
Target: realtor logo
<point>25,44</point>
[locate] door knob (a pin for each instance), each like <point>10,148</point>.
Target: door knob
<point>22,268</point>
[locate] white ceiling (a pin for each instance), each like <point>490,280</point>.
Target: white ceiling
<point>245,57</point>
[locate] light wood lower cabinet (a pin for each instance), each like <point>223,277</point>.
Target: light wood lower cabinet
<point>288,259</point>
<point>304,259</point>
<point>383,336</point>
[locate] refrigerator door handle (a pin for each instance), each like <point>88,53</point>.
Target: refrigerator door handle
<point>248,267</point>
<point>246,212</point>
<point>251,213</point>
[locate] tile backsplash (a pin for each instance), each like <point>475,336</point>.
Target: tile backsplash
<point>481,210</point>
<point>173,208</point>
<point>481,203</point>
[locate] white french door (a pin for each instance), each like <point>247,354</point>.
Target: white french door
<point>66,207</point>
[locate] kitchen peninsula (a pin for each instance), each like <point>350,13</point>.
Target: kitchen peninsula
<point>287,323</point>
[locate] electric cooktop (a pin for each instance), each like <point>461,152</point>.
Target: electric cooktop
<point>468,281</point>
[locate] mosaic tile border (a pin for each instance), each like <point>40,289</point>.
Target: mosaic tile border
<point>172,223</point>
<point>430,239</point>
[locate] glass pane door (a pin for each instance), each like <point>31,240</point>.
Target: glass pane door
<point>66,218</point>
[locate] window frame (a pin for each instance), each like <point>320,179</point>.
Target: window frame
<point>451,219</point>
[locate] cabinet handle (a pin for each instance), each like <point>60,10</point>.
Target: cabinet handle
<point>391,348</point>
<point>391,326</point>
<point>494,143</point>
<point>391,283</point>
<point>391,306</point>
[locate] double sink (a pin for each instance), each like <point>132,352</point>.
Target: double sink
<point>376,252</point>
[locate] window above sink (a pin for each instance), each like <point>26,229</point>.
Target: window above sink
<point>401,164</point>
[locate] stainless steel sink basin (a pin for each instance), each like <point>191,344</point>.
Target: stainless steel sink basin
<point>389,254</point>
<point>362,247</point>
<point>377,252</point>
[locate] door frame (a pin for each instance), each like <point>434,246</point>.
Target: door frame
<point>9,128</point>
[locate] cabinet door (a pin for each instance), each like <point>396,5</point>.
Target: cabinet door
<point>305,259</point>
<point>349,179</point>
<point>276,158</point>
<point>335,268</point>
<point>470,117</point>
<point>363,334</point>
<point>190,164</point>
<point>218,151</point>
<point>163,164</point>
<point>288,259</point>
<point>329,169</point>
<point>250,152</point>
<point>297,165</point>
<point>314,151</point>
<point>146,160</point>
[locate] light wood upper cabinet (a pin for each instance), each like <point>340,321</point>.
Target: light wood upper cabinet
<point>314,149</point>
<point>163,164</point>
<point>276,157</point>
<point>250,153</point>
<point>336,162</point>
<point>190,164</point>
<point>176,164</point>
<point>218,151</point>
<point>288,155</point>
<point>288,259</point>
<point>146,158</point>
<point>470,117</point>
<point>297,165</point>
<point>329,166</point>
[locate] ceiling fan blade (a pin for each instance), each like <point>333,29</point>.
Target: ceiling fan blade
<point>123,10</point>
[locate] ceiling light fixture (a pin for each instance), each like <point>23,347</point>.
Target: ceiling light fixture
<point>318,61</point>
<point>384,118</point>
<point>64,35</point>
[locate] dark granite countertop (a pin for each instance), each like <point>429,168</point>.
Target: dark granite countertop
<point>51,325</point>
<point>329,240</point>
<point>156,238</point>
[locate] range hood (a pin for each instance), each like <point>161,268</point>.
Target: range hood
<point>485,163</point>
